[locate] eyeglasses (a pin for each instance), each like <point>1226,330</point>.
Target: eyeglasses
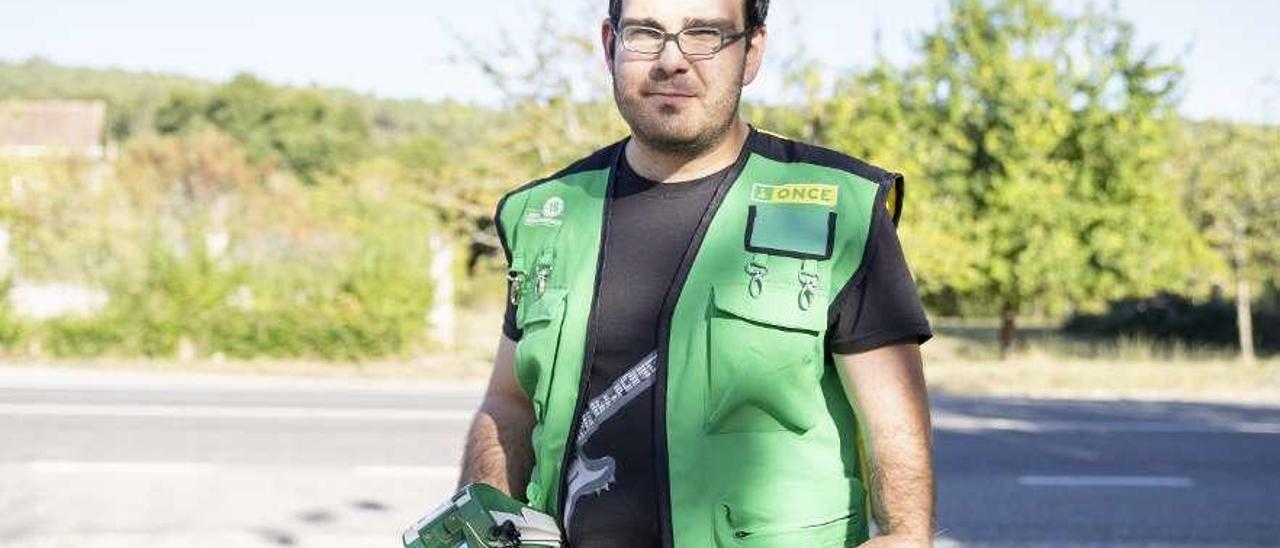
<point>699,41</point>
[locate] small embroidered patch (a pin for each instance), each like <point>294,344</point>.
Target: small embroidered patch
<point>547,215</point>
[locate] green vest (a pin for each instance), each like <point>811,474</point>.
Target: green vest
<point>761,445</point>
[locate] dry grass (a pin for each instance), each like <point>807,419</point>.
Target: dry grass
<point>1226,382</point>
<point>964,359</point>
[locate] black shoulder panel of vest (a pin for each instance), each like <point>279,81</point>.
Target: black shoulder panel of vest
<point>781,149</point>
<point>600,159</point>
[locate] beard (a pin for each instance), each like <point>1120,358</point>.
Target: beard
<point>686,129</point>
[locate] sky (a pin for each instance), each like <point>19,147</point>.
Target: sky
<point>408,48</point>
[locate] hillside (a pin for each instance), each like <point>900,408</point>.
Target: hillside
<point>134,96</point>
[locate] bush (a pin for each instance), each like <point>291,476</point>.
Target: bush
<point>83,337</point>
<point>13,331</point>
<point>175,297</point>
<point>198,249</point>
<point>1176,319</point>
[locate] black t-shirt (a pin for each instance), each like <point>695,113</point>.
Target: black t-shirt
<point>650,226</point>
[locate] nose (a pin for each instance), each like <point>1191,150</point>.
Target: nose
<point>671,60</point>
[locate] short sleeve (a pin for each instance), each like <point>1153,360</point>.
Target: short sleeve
<point>880,305</point>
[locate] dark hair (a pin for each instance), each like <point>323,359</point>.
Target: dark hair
<point>757,11</point>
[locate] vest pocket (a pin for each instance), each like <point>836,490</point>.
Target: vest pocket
<point>733,531</point>
<point>540,319</point>
<point>764,359</point>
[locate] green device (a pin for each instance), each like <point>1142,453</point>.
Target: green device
<point>480,516</point>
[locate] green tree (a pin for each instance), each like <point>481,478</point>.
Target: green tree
<point>1044,136</point>
<point>301,129</point>
<point>1232,194</point>
<point>180,112</point>
<point>868,118</point>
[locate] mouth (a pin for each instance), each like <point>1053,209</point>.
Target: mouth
<point>671,93</point>
<point>669,97</point>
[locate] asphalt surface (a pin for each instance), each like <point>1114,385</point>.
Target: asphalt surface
<point>116,460</point>
<point>1026,472</point>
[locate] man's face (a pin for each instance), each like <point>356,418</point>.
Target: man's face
<point>676,102</point>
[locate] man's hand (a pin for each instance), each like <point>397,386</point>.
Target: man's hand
<point>498,445</point>
<point>887,390</point>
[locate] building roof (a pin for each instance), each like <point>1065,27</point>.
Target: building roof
<point>52,126</point>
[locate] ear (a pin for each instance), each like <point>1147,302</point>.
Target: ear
<point>607,40</point>
<point>755,54</point>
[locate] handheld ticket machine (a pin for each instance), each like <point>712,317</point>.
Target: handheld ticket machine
<point>480,516</point>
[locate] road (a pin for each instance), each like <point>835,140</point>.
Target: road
<point>112,460</point>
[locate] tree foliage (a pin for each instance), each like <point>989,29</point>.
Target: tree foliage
<point>1232,194</point>
<point>1047,171</point>
<point>1036,140</point>
<point>309,134</point>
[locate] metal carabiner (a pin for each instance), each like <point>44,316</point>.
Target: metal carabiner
<point>756,285</point>
<point>540,279</point>
<point>515,279</point>
<point>808,283</point>
<point>542,269</point>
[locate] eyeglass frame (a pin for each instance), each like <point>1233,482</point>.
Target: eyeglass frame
<point>725,38</point>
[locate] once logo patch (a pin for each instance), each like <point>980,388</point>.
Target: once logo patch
<point>795,193</point>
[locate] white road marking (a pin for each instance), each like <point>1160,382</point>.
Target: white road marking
<point>966,423</point>
<point>1258,428</point>
<point>1106,481</point>
<point>107,380</point>
<point>158,534</point>
<point>437,472</point>
<point>232,412</point>
<point>66,467</point>
<point>971,423</point>
<point>158,468</point>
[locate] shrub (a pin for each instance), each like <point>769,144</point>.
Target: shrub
<point>1177,319</point>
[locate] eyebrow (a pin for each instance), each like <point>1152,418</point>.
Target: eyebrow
<point>721,23</point>
<point>689,22</point>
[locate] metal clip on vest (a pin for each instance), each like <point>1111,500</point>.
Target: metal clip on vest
<point>542,271</point>
<point>515,277</point>
<point>808,283</point>
<point>515,280</point>
<point>757,269</point>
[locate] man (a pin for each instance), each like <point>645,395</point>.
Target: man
<point>712,337</point>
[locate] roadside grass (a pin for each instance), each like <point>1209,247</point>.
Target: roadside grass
<point>963,358</point>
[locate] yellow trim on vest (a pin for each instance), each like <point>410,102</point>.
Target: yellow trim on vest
<point>893,200</point>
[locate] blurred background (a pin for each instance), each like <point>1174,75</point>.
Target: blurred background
<point>250,288</point>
